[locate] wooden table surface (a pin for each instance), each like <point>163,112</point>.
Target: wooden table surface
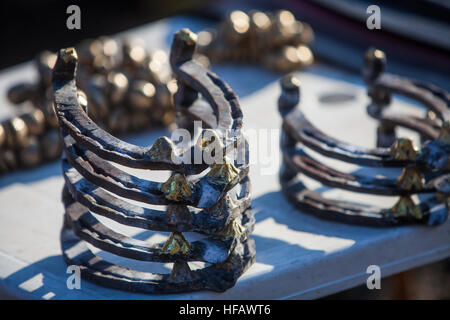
<point>298,255</point>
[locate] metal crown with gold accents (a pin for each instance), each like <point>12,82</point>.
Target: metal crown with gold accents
<point>425,170</point>
<point>211,199</point>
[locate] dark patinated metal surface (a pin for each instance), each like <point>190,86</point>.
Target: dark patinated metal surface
<point>425,170</point>
<point>215,203</point>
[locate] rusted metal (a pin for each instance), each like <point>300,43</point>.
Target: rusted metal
<point>216,204</point>
<point>425,169</point>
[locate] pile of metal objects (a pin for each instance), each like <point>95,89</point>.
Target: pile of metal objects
<point>425,170</point>
<point>122,83</point>
<point>276,40</point>
<point>209,199</point>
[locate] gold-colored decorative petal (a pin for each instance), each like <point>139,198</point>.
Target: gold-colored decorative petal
<point>223,173</point>
<point>177,187</point>
<point>403,149</point>
<point>176,243</point>
<point>411,178</point>
<point>69,54</point>
<point>233,229</point>
<point>404,207</point>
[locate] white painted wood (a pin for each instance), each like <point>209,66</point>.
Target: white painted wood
<point>298,255</point>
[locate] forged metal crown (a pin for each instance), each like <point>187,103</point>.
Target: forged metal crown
<point>215,203</point>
